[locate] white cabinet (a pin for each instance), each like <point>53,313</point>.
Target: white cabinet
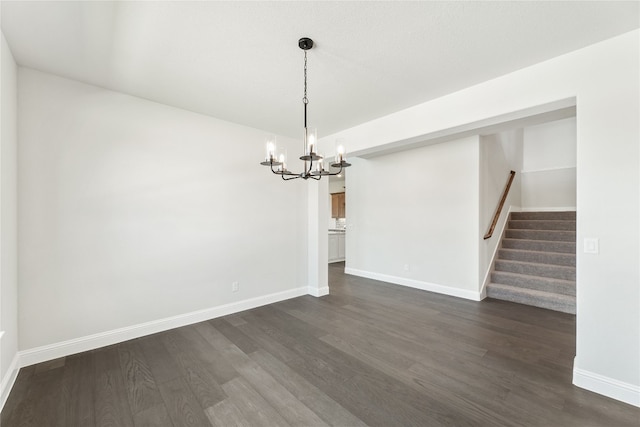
<point>333,247</point>
<point>341,244</point>
<point>336,247</point>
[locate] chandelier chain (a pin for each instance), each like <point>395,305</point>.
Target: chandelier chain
<point>305,99</point>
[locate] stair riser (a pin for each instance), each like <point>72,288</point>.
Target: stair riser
<point>533,282</point>
<point>536,261</point>
<point>552,271</point>
<point>561,236</point>
<point>514,296</point>
<point>571,216</point>
<point>542,225</point>
<point>540,245</point>
<point>568,260</point>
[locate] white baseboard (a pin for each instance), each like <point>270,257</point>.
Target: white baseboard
<point>9,379</point>
<point>417,284</point>
<point>618,390</point>
<point>549,209</point>
<point>90,342</point>
<point>319,292</point>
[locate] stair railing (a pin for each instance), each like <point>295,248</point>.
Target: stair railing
<point>503,199</point>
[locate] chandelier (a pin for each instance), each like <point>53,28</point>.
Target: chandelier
<point>314,167</point>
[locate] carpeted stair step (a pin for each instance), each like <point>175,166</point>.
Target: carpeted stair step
<point>565,215</point>
<point>565,287</point>
<point>542,225</point>
<point>555,235</point>
<point>540,245</point>
<point>535,269</point>
<point>536,261</point>
<point>552,301</point>
<point>538,257</point>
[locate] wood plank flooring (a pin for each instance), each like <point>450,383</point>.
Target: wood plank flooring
<point>370,353</point>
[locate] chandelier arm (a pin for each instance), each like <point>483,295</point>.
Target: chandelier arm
<point>283,174</point>
<point>290,177</point>
<point>339,171</point>
<point>275,171</point>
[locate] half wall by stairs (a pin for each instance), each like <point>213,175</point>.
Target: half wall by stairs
<point>536,261</point>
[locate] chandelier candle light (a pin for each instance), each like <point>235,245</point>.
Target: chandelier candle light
<point>278,164</point>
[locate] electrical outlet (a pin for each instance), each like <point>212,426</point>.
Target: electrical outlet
<point>235,287</point>
<point>591,245</point>
<point>407,267</point>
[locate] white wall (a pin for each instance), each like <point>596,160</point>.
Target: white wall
<point>550,145</point>
<point>549,166</point>
<point>132,211</point>
<point>500,154</point>
<point>317,237</point>
<point>8,221</point>
<point>337,186</point>
<point>418,209</point>
<point>603,78</point>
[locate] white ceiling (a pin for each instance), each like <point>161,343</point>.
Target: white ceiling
<point>239,61</point>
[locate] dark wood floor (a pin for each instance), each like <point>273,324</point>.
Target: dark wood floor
<point>370,353</point>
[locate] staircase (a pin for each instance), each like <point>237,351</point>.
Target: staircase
<point>536,262</point>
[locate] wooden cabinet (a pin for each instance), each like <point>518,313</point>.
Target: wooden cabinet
<point>338,205</point>
<point>336,247</point>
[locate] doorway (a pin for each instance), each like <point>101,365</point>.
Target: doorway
<point>337,219</point>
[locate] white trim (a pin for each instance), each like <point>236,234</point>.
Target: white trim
<point>549,169</point>
<point>9,379</point>
<point>624,392</point>
<point>90,342</point>
<point>531,116</point>
<point>319,292</point>
<point>417,284</point>
<point>549,209</point>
